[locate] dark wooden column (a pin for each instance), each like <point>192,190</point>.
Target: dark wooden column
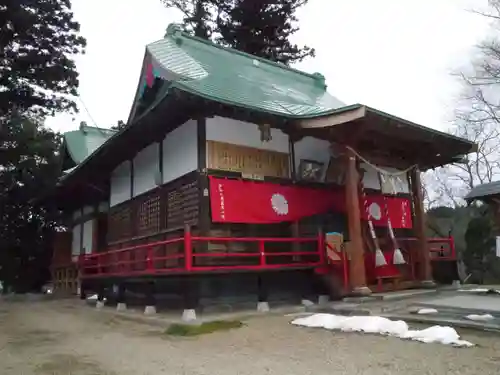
<point>424,257</point>
<point>204,219</point>
<point>355,247</point>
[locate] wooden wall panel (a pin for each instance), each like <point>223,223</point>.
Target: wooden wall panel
<point>182,205</point>
<point>120,222</point>
<point>148,216</point>
<point>164,209</point>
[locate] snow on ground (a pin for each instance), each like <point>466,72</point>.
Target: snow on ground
<point>383,326</point>
<point>480,290</point>
<point>427,311</point>
<point>480,318</point>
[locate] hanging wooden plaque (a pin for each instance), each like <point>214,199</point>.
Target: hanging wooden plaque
<point>249,161</point>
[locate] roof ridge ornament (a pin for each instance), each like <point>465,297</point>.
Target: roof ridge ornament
<point>320,79</point>
<point>83,127</point>
<point>174,29</point>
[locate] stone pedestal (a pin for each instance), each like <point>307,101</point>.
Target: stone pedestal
<point>263,306</point>
<point>150,310</point>
<point>189,315</point>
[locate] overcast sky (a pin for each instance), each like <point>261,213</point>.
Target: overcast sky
<point>394,55</point>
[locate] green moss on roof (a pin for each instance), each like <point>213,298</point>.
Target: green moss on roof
<point>81,143</point>
<point>232,77</point>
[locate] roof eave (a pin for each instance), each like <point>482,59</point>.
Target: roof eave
<point>473,146</point>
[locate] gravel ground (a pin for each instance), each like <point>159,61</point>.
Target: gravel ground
<point>64,337</point>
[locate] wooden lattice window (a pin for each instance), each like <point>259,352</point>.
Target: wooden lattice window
<point>120,223</point>
<point>149,215</point>
<point>182,205</point>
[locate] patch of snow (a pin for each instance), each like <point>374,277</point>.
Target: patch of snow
<point>307,303</point>
<point>383,326</point>
<point>475,290</point>
<point>480,318</point>
<point>480,290</point>
<point>427,311</point>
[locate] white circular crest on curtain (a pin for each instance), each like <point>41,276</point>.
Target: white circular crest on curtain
<point>279,204</point>
<point>375,211</point>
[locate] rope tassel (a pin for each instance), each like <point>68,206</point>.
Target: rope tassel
<point>379,255</point>
<point>380,258</point>
<point>398,257</point>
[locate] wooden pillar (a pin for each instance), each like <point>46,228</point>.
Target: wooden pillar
<point>357,272</point>
<point>204,219</point>
<point>83,291</point>
<point>424,257</point>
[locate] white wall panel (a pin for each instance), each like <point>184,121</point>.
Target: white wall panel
<point>180,151</point>
<point>120,184</point>
<point>88,209</point>
<point>146,167</point>
<point>77,214</point>
<point>103,207</point>
<point>88,232</point>
<point>241,133</point>
<point>371,179</point>
<point>76,240</point>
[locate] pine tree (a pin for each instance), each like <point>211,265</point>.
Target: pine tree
<point>29,165</point>
<point>197,15</point>
<point>260,27</point>
<point>38,40</point>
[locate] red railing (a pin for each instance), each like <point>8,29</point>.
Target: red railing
<point>342,255</point>
<point>441,249</point>
<point>144,259</point>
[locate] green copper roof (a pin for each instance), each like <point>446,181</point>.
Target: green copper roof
<point>84,141</point>
<point>229,76</point>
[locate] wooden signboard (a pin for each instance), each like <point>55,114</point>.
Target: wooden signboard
<point>249,161</point>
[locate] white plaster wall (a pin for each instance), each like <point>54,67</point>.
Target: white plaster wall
<point>180,151</point>
<point>76,240</point>
<point>371,179</point>
<point>120,184</point>
<point>88,210</point>
<point>88,231</point>
<point>103,207</point>
<point>400,181</point>
<point>241,133</point>
<point>312,149</point>
<point>146,167</point>
<point>77,214</point>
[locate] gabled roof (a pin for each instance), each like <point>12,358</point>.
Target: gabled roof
<point>232,77</point>
<point>180,63</point>
<point>484,191</point>
<point>81,143</point>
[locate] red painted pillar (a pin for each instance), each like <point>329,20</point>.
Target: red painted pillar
<point>424,256</point>
<point>355,247</point>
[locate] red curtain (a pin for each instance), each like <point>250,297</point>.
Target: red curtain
<point>236,201</point>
